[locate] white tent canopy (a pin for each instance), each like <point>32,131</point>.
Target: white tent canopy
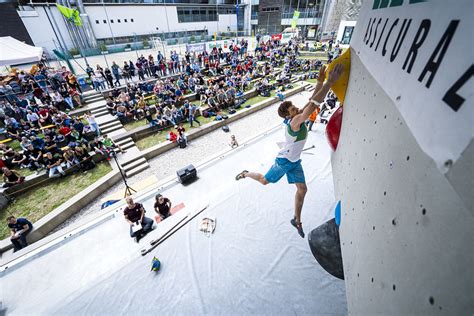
<point>14,52</point>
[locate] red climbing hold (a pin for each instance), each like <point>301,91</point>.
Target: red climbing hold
<point>333,129</point>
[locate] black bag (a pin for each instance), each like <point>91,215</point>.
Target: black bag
<point>232,111</point>
<point>181,142</point>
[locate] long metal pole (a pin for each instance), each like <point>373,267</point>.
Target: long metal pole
<point>108,22</point>
<point>55,25</point>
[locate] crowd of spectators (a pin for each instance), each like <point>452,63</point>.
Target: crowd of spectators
<point>34,106</point>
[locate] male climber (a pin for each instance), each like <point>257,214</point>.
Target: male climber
<point>288,159</point>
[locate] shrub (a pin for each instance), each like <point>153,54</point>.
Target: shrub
<point>103,47</point>
<point>74,51</point>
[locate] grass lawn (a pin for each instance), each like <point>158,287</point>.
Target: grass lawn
<point>135,124</point>
<point>39,201</point>
<point>158,138</point>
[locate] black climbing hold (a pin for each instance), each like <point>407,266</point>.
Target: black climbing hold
<point>431,300</point>
<point>326,248</point>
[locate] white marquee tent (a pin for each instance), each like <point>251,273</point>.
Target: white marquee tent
<point>14,52</point>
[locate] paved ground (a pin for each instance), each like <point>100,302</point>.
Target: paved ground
<point>198,150</point>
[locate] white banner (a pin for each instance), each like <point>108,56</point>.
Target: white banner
<point>421,53</point>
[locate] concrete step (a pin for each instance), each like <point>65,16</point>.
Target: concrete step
<point>110,129</point>
<point>110,123</point>
<point>125,146</point>
<point>133,164</point>
<point>99,109</point>
<point>90,98</point>
<point>124,141</point>
<point>131,160</point>
<point>136,170</point>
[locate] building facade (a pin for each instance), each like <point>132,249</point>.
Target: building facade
<point>114,25</point>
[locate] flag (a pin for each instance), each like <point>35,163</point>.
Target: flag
<point>294,21</point>
<point>72,15</point>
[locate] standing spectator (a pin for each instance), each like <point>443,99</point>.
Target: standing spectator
<point>135,215</point>
<point>162,206</point>
<point>109,78</point>
<point>19,228</point>
<point>192,115</point>
<point>116,72</point>
<point>92,122</point>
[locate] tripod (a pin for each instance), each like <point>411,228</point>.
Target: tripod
<point>128,189</point>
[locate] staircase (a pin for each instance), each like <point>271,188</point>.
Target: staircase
<point>130,162</point>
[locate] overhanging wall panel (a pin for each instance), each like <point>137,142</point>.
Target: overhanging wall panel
<point>406,235</point>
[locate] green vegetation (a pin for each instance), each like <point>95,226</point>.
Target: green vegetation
<point>74,51</point>
<point>39,201</point>
<point>160,137</point>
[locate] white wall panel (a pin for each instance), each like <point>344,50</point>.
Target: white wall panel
<point>406,235</point>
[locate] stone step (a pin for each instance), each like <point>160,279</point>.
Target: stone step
<point>125,146</point>
<point>136,170</point>
<point>132,160</point>
<point>124,141</point>
<point>110,129</point>
<point>133,164</point>
<point>93,97</point>
<point>110,123</point>
<point>99,109</point>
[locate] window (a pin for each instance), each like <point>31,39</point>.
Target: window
<point>96,21</point>
<point>112,21</point>
<point>131,20</point>
<point>105,21</point>
<point>271,9</point>
<point>125,20</point>
<point>193,14</point>
<point>118,20</point>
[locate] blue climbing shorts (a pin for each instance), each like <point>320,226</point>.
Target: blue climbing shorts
<point>293,170</point>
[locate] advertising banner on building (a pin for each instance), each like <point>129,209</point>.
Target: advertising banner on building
<point>195,47</point>
<point>276,37</point>
<point>421,53</point>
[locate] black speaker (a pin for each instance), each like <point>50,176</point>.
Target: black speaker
<point>187,174</point>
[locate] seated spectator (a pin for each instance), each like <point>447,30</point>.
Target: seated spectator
<point>135,215</point>
<point>11,178</point>
<point>111,145</point>
<point>181,135</point>
<point>70,158</point>
<point>53,164</point>
<point>84,158</point>
<point>36,158</point>
<point>172,137</point>
<point>19,228</point>
<point>98,146</point>
<point>233,142</point>
<point>20,160</point>
<point>162,206</point>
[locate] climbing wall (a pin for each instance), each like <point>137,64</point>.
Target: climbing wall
<point>407,224</point>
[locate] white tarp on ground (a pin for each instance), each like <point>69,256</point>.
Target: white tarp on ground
<point>254,263</point>
<point>14,52</point>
